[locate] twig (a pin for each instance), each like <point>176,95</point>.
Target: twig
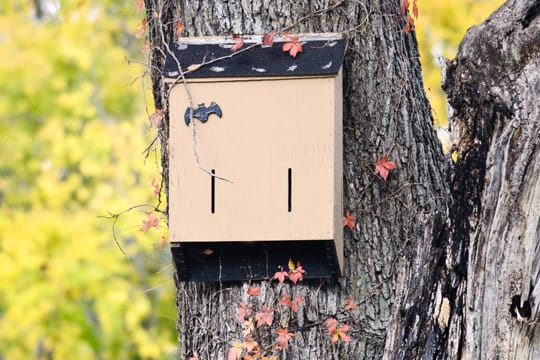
<point>116,216</point>
<point>182,78</point>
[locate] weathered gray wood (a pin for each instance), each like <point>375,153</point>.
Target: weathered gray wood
<point>493,87</point>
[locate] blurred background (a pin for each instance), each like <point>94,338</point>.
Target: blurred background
<point>73,132</point>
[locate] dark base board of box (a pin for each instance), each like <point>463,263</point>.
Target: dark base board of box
<point>234,261</point>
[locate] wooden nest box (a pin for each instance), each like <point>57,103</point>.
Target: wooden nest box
<point>271,125</point>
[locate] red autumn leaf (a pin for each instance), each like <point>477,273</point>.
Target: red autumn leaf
<point>179,27</point>
<point>332,325</point>
<point>139,5</point>
<point>383,166</point>
<point>342,334</point>
<point>248,327</point>
<point>254,291</point>
<point>243,311</point>
<point>286,300</point>
<point>156,187</point>
<point>266,317</point>
<point>142,29</point>
<point>415,9</point>
<point>163,240</point>
<point>296,274</point>
<point>152,221</point>
<point>293,47</point>
<point>249,345</point>
<point>299,299</point>
<point>336,332</point>
<point>235,352</point>
<point>239,43</point>
<point>348,220</point>
<point>207,252</point>
<point>404,6</point>
<point>268,39</point>
<point>407,28</point>
<point>156,118</point>
<point>350,305</point>
<point>280,275</point>
<point>282,341</point>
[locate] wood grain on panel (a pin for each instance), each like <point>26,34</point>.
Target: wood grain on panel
<point>268,127</point>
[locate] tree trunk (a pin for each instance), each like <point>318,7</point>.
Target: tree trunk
<point>410,273</point>
<point>493,88</point>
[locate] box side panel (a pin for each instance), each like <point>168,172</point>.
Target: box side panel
<point>338,169</point>
<point>267,128</point>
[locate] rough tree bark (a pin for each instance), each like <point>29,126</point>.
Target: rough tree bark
<point>415,258</point>
<point>493,89</point>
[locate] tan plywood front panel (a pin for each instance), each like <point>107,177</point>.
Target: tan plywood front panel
<point>268,127</point>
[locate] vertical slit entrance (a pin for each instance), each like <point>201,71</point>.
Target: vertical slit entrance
<point>289,195</point>
<point>213,192</point>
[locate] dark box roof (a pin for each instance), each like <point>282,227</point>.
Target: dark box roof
<point>322,54</point>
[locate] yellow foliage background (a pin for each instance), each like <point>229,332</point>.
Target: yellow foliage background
<point>73,126</point>
<point>439,29</point>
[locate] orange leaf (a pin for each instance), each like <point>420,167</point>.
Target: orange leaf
<point>207,252</point>
<point>409,26</point>
<point>152,221</point>
<point>383,166</point>
<point>140,33</point>
<point>342,333</point>
<point>156,118</point>
<point>404,6</point>
<point>156,187</point>
<point>415,9</point>
<point>337,332</point>
<point>350,305</point>
<point>254,291</point>
<point>293,47</point>
<point>268,39</point>
<point>265,318</point>
<point>248,327</point>
<point>147,47</point>
<point>332,325</point>
<point>179,27</point>
<point>139,5</point>
<point>239,43</point>
<point>243,311</point>
<point>235,352</point>
<point>280,275</point>
<point>163,240</point>
<point>286,300</point>
<point>282,341</point>
<point>348,220</point>
<point>297,273</point>
<point>142,29</point>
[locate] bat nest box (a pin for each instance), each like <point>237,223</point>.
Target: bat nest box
<point>271,125</point>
